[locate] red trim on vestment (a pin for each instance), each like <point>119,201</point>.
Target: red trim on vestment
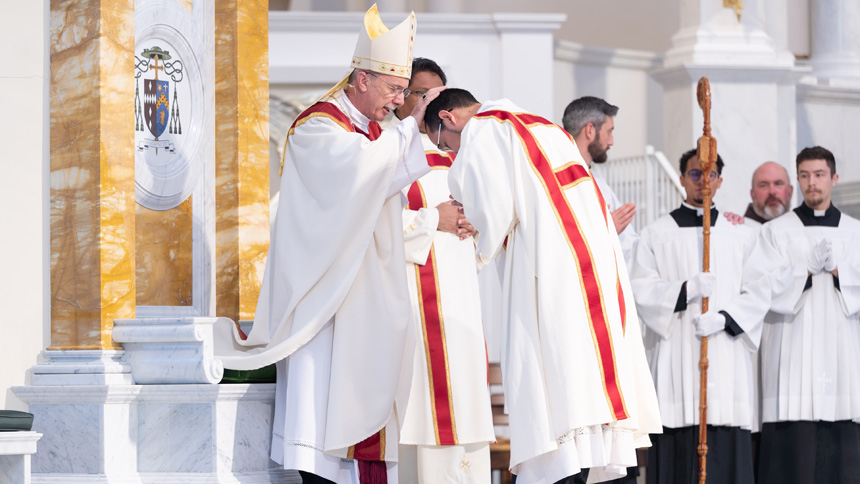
<point>621,305</point>
<point>329,110</point>
<point>571,174</point>
<point>433,329</point>
<point>371,448</point>
<point>439,159</point>
<point>592,292</point>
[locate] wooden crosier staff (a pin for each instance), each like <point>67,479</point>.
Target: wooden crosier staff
<point>707,154</point>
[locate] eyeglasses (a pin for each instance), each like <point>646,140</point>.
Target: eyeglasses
<point>407,92</point>
<point>393,90</point>
<point>695,175</point>
<point>439,140</point>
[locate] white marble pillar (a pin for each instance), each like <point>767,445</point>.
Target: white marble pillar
<point>752,80</point>
<point>15,451</point>
<point>836,38</point>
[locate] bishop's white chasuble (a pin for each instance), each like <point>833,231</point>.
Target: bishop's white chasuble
<point>575,377</point>
<point>334,296</point>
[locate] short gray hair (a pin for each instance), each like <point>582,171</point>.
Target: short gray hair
<point>588,109</point>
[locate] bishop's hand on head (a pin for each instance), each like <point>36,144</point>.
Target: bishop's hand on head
<point>427,98</point>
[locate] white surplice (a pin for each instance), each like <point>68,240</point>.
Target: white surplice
<point>628,237</point>
<point>556,379</point>
<point>810,349</point>
<point>334,297</point>
<point>463,353</point>
<point>668,254</point>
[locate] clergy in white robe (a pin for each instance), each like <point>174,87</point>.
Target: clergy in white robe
<point>448,411</point>
<point>668,285</point>
<point>576,384</point>
<point>591,122</point>
<point>334,310</point>
<point>810,349</point>
<point>447,421</point>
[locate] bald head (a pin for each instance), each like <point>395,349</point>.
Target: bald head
<point>771,192</point>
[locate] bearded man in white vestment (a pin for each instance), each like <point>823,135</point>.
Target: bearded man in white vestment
<point>591,122</point>
<point>575,379</point>
<point>669,285</point>
<point>448,423</point>
<point>810,348</point>
<point>334,300</point>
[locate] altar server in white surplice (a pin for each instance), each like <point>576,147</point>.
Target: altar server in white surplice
<point>334,300</point>
<point>448,422</point>
<point>576,383</point>
<point>669,285</point>
<point>810,348</point>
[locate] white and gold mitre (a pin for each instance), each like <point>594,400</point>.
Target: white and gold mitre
<point>382,50</point>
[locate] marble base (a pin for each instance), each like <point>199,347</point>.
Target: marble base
<point>169,350</point>
<point>153,433</point>
<point>15,451</point>
<point>273,476</point>
<point>81,367</point>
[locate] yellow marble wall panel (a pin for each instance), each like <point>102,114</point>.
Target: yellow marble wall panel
<point>163,256</point>
<point>253,86</point>
<point>92,171</point>
<point>242,154</point>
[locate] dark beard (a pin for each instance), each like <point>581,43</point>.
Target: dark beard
<point>597,155</point>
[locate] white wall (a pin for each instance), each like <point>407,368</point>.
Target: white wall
<point>829,117</point>
<point>620,76</point>
<point>24,247</point>
<point>646,25</point>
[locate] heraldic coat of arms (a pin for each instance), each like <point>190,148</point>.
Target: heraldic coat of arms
<point>159,112</point>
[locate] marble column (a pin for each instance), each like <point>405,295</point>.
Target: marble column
<point>752,82</point>
<point>92,213</point>
<point>835,38</point>
<point>242,154</point>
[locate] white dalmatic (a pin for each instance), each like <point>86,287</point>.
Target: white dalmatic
<point>810,350</point>
<point>576,385</point>
<point>669,253</point>
<point>449,400</point>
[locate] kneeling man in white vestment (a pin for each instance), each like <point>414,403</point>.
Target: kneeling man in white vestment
<point>334,305</point>
<point>576,384</point>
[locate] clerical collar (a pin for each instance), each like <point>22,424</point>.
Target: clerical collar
<point>359,120</point>
<point>689,216</point>
<point>826,218</point>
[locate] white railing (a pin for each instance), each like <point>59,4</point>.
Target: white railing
<point>649,181</point>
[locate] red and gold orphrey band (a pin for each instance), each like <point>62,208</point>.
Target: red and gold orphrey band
<point>591,290</point>
<point>433,325</point>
